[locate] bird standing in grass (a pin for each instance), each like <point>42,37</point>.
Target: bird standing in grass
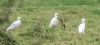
<point>81,27</point>
<point>54,21</point>
<point>15,24</point>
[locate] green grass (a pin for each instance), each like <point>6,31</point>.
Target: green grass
<point>36,16</point>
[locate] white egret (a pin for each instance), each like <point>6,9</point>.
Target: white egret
<point>81,27</point>
<point>54,21</point>
<point>15,24</point>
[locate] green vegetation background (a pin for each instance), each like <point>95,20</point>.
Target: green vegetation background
<point>36,15</point>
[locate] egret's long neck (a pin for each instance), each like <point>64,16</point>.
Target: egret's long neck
<point>55,16</point>
<point>83,22</point>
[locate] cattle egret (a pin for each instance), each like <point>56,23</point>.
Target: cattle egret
<point>81,27</point>
<point>54,21</point>
<point>15,24</point>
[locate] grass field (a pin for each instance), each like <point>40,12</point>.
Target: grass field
<point>36,16</point>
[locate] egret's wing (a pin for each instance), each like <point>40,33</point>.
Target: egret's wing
<point>56,21</point>
<point>14,25</point>
<point>52,22</point>
<point>81,28</point>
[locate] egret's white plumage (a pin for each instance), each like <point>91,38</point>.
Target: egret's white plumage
<point>81,27</point>
<point>15,24</point>
<point>54,21</point>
